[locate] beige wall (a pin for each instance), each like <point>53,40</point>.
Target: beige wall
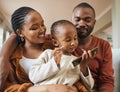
<point>53,10</point>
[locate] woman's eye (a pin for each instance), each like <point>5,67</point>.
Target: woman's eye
<point>34,27</point>
<point>42,25</point>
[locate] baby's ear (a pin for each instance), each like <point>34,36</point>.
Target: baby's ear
<point>55,42</point>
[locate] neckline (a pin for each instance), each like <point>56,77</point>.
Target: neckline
<point>88,45</point>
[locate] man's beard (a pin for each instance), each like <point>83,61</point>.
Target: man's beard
<point>82,35</point>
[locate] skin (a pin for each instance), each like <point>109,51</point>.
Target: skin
<point>84,20</point>
<point>33,32</point>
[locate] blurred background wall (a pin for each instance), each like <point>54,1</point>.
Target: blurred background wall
<point>107,15</point>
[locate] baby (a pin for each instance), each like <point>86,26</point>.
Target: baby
<point>55,66</point>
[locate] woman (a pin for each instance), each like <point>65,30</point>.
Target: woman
<point>29,27</point>
<point>28,24</point>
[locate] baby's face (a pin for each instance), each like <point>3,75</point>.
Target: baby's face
<point>67,38</point>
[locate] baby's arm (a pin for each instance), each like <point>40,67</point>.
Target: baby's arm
<point>45,68</point>
<point>88,81</point>
<point>85,74</point>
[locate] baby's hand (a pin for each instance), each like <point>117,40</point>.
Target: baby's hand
<point>89,54</point>
<point>92,52</point>
<point>57,54</point>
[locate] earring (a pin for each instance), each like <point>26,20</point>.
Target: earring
<point>22,39</point>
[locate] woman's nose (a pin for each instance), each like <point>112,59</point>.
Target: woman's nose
<point>42,29</point>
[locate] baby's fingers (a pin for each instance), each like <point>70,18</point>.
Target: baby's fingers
<point>91,55</point>
<point>85,55</point>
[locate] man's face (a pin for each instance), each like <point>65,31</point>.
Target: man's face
<point>84,20</point>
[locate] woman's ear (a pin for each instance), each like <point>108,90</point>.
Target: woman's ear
<point>19,32</point>
<point>55,42</point>
<point>20,36</point>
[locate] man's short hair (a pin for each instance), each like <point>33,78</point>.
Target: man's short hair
<point>85,5</point>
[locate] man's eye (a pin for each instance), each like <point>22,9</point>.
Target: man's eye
<point>88,19</point>
<point>77,19</point>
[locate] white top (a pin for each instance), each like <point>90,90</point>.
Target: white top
<point>26,63</point>
<point>46,71</point>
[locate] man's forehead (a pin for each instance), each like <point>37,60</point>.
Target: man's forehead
<point>83,11</point>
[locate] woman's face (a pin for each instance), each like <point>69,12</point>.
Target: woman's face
<point>33,29</point>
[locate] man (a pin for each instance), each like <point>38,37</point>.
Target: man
<point>83,18</point>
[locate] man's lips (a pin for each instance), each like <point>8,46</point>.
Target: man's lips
<point>82,30</point>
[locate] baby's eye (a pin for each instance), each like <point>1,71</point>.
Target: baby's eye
<point>75,38</point>
<point>68,40</point>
